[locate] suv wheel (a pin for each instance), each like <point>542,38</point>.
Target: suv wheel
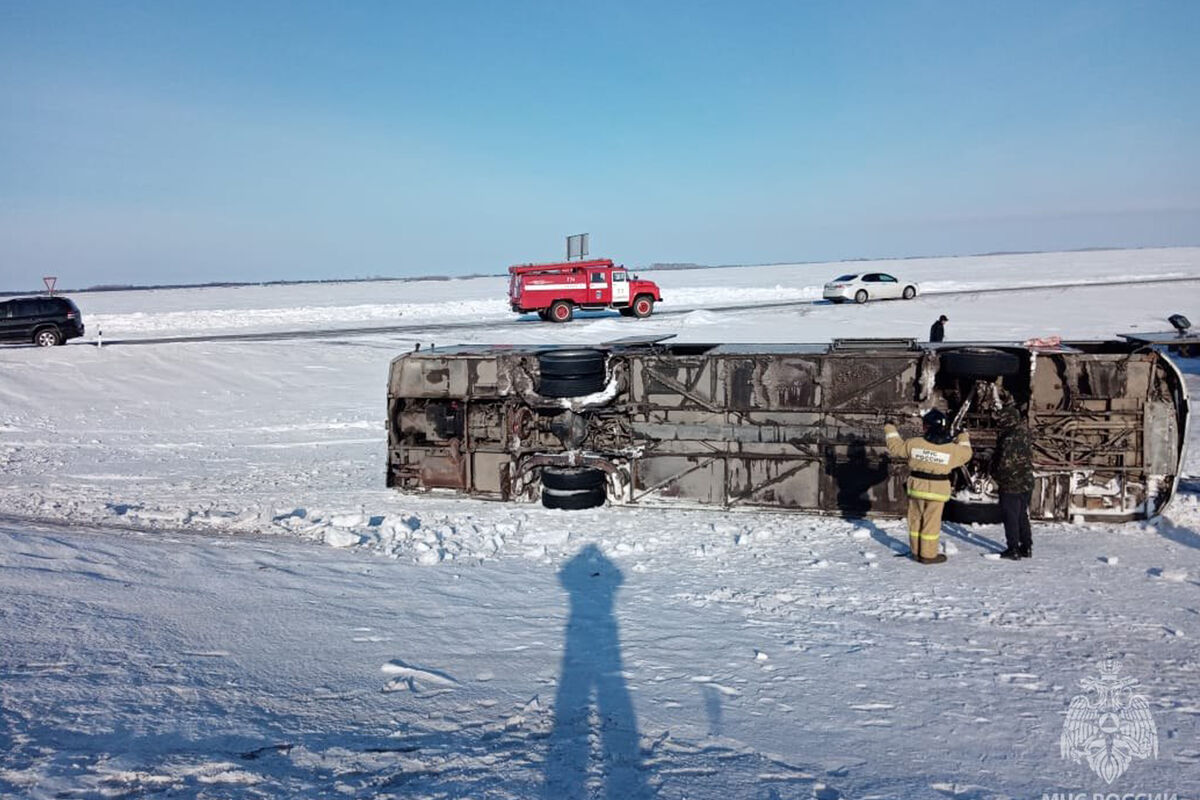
<point>47,337</point>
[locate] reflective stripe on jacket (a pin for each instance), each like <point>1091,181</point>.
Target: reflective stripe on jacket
<point>930,459</point>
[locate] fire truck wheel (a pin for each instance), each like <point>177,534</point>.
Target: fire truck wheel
<point>560,311</point>
<point>572,478</point>
<point>625,312</point>
<point>979,362</point>
<point>972,513</point>
<point>572,363</point>
<point>543,314</point>
<point>643,306</point>
<point>573,500</point>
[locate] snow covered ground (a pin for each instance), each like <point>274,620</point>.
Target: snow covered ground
<point>205,590</point>
<point>263,308</point>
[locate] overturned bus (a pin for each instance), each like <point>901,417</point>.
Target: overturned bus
<point>644,421</point>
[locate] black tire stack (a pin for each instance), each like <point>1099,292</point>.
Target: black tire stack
<point>573,488</point>
<point>571,373</point>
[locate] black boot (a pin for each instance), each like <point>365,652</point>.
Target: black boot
<point>1027,551</point>
<point>1011,554</point>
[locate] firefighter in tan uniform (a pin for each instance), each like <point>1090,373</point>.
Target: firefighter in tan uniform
<point>931,458</point>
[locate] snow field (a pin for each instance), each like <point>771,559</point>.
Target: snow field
<point>167,626</point>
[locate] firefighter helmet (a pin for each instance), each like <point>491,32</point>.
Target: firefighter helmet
<point>934,420</point>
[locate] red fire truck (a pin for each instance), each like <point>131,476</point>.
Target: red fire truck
<point>555,290</point>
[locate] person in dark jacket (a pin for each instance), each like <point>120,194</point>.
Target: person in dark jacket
<point>1013,471</point>
<point>937,332</point>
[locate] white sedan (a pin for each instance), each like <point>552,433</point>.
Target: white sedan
<point>868,286</point>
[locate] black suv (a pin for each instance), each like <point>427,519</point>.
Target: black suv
<point>45,321</point>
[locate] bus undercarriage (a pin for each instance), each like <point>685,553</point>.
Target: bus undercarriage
<point>642,422</point>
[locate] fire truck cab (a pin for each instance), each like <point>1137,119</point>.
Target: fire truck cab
<point>555,290</point>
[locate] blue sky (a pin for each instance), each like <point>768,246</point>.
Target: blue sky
<point>172,142</point>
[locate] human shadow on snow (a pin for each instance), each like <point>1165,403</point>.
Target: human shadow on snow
<point>592,677</point>
<point>881,536</point>
<point>969,535</point>
<point>854,478</point>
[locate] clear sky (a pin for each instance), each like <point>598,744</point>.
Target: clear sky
<point>175,142</point>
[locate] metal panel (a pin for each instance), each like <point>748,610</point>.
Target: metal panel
<point>697,478</point>
<point>484,376</point>
<point>577,246</point>
<point>490,472</point>
<point>1161,439</point>
<point>774,482</point>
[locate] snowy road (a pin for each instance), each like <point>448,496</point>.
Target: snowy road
<point>521,323</point>
<point>480,304</point>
